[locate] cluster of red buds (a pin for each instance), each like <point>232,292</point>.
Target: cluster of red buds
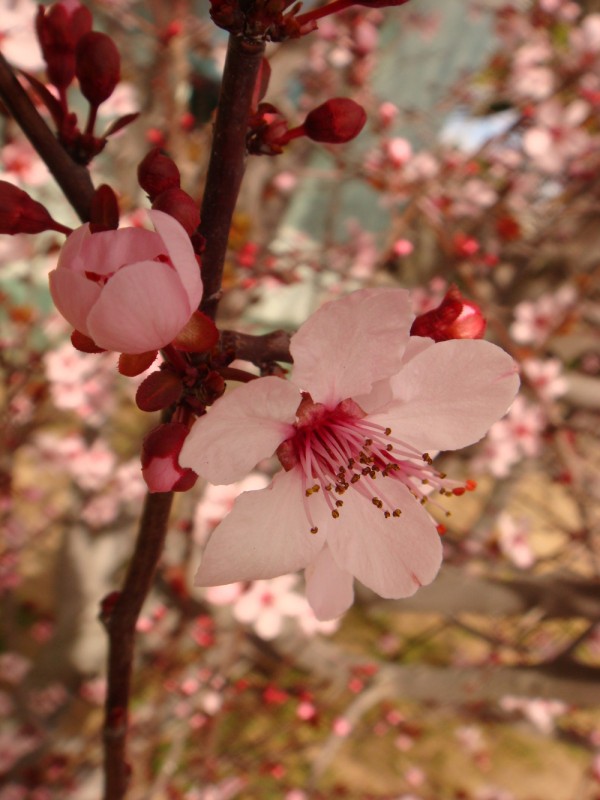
<point>334,122</point>
<point>159,177</point>
<point>278,20</point>
<point>71,49</point>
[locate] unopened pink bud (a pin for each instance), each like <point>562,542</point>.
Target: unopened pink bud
<point>19,213</point>
<point>454,318</point>
<point>336,121</point>
<point>179,204</point>
<point>160,464</point>
<point>157,173</point>
<point>97,66</point>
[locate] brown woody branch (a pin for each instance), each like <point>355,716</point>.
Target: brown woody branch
<point>227,162</point>
<point>120,623</point>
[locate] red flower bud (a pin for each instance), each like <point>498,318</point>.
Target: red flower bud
<point>160,464</point>
<point>97,66</point>
<point>336,121</point>
<point>59,29</point>
<point>454,318</point>
<point>19,213</point>
<point>179,204</point>
<point>157,173</point>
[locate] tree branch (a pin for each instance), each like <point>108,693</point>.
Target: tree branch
<point>259,350</point>
<point>73,179</point>
<point>227,162</point>
<point>120,623</point>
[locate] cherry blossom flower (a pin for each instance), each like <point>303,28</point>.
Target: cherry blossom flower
<point>267,604</point>
<point>513,538</point>
<point>557,137</point>
<point>536,320</point>
<point>546,377</point>
<point>129,290</point>
<point>352,431</point>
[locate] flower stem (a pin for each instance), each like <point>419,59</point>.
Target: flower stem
<point>227,162</point>
<point>73,179</point>
<point>120,624</point>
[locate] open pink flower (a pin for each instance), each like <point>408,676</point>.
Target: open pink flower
<point>130,290</point>
<point>352,430</point>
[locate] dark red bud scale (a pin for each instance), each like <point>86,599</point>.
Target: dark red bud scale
<point>97,66</point>
<point>336,121</point>
<point>157,173</point>
<point>181,206</point>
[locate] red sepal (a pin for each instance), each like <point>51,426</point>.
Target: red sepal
<point>199,335</point>
<point>131,365</point>
<point>159,390</point>
<point>104,213</point>
<point>84,344</point>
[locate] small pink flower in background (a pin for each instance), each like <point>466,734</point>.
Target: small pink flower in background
<point>352,430</point>
<point>81,382</point>
<point>557,137</point>
<point>13,668</point>
<point>532,78</point>
<point>342,727</point>
<point>129,290</point>
<point>539,711</point>
<point>513,538</point>
<point>546,377</point>
<point>536,320</point>
<point>266,605</point>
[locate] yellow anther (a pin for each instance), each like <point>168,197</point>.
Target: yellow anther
<point>335,513</point>
<point>314,530</point>
<point>396,512</point>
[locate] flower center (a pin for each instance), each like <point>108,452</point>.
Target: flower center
<point>338,450</point>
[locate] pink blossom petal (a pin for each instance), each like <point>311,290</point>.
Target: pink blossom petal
<point>266,535</point>
<point>329,589</point>
<point>450,394</point>
<point>381,395</point>
<point>74,295</point>
<point>350,343</point>
<point>143,307</point>
<point>394,556</point>
<point>70,253</point>
<point>243,427</point>
<point>107,251</point>
<point>181,253</point>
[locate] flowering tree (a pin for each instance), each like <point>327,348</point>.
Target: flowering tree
<point>321,446</point>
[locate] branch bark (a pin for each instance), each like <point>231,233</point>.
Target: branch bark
<point>227,162</point>
<point>120,624</point>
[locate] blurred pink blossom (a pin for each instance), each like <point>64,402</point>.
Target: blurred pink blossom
<point>513,538</point>
<point>546,377</point>
<point>557,136</point>
<point>539,711</point>
<point>536,320</point>
<point>266,605</point>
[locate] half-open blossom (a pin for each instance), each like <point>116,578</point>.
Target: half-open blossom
<point>353,430</point>
<point>130,290</point>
